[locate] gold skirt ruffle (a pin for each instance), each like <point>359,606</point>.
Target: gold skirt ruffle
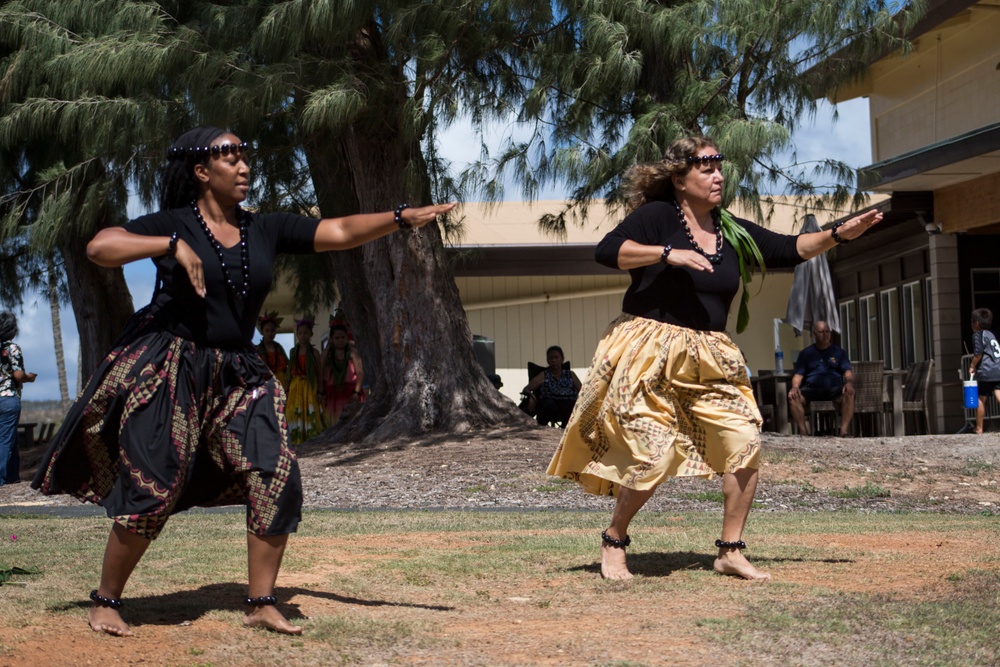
<point>660,401</point>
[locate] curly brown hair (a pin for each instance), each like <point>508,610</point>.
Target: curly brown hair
<point>644,183</point>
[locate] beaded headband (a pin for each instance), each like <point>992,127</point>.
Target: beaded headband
<point>178,152</point>
<point>306,321</point>
<point>702,159</point>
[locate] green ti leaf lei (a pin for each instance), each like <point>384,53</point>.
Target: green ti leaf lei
<point>749,258</point>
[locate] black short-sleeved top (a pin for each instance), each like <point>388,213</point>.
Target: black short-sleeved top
<point>693,299</point>
<point>220,319</point>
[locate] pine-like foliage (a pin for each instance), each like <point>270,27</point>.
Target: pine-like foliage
<point>617,80</point>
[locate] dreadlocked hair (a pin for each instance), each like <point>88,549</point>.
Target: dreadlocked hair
<point>178,186</point>
<point>644,183</point>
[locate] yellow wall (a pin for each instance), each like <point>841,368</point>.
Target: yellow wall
<point>522,331</point>
<point>969,205</point>
<point>948,85</point>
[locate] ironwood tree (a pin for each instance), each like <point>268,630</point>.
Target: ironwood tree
<point>344,101</point>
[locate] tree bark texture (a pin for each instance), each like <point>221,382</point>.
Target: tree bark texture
<point>101,303</point>
<point>404,307</point>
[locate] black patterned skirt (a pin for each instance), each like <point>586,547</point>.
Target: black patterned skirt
<point>165,425</point>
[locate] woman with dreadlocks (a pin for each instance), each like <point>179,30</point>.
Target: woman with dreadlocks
<point>183,412</point>
<point>668,393</point>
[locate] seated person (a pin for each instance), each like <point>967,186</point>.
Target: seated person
<point>822,373</point>
<point>552,393</point>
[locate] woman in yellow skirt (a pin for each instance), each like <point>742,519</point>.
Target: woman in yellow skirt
<point>668,393</point>
<point>304,412</point>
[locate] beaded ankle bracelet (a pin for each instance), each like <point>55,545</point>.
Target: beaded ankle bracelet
<point>738,544</point>
<point>621,544</point>
<point>102,601</point>
<point>262,601</point>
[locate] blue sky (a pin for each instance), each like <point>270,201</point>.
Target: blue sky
<point>848,140</point>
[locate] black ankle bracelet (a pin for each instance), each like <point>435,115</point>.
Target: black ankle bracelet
<point>621,544</point>
<point>114,603</point>
<point>262,601</point>
<point>738,544</point>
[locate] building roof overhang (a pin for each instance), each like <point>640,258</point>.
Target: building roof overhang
<point>962,158</point>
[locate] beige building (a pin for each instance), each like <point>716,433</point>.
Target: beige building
<point>907,289</point>
<point>525,290</point>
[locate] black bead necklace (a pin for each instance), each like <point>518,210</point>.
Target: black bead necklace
<point>715,258</point>
<point>244,251</point>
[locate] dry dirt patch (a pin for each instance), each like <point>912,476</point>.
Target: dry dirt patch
<point>567,616</point>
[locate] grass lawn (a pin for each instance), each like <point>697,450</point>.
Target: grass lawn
<point>520,588</point>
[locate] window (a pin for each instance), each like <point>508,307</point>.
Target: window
<point>889,318</point>
<point>986,290</point>
<point>868,321</point>
<point>914,319</point>
<point>848,325</point>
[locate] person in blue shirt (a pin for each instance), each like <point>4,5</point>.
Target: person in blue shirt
<point>822,373</point>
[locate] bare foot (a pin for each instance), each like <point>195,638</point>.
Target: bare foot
<point>613,558</point>
<point>106,619</point>
<point>734,563</point>
<point>266,616</point>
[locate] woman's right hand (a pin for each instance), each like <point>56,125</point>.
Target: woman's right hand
<point>191,262</point>
<point>690,259</point>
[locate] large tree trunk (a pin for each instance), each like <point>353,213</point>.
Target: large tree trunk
<point>101,303</point>
<point>403,306</point>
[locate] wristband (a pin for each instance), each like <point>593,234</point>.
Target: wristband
<point>666,252</point>
<point>172,246</point>
<point>837,237</point>
<point>397,215</point>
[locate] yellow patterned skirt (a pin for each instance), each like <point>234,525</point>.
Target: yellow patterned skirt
<point>660,401</point>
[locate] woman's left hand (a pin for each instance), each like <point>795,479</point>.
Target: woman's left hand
<point>859,224</point>
<point>418,217</point>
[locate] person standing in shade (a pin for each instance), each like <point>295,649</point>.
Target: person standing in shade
<point>12,377</point>
<point>985,363</point>
<point>822,373</point>
<point>343,373</point>
<point>305,412</point>
<point>668,393</point>
<point>270,350</point>
<point>183,412</point>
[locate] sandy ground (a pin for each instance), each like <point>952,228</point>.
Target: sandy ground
<point>956,474</point>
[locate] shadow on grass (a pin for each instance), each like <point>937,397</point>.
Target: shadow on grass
<point>186,606</point>
<point>662,564</point>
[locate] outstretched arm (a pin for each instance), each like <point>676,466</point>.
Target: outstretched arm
<point>816,243</point>
<point>353,230</point>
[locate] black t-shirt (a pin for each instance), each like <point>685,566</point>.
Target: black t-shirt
<point>220,319</point>
<point>693,299</point>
